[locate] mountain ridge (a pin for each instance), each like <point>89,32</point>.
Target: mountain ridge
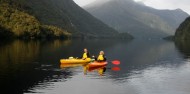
<point>137,19</point>
<point>64,14</point>
<point>75,19</point>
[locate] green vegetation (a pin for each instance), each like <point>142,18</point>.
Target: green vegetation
<point>52,31</point>
<point>183,32</point>
<point>17,23</point>
<point>20,23</point>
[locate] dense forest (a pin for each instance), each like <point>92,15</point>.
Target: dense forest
<point>15,22</point>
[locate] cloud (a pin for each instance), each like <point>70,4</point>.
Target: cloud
<point>168,4</point>
<point>158,4</point>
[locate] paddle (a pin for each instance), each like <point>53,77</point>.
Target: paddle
<point>116,62</point>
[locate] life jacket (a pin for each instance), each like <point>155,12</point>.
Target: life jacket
<point>84,56</point>
<point>100,57</point>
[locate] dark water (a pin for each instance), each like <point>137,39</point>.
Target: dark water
<point>147,67</point>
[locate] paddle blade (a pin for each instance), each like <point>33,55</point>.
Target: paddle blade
<point>116,62</point>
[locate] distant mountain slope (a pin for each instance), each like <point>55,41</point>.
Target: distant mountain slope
<point>68,15</point>
<point>183,31</point>
<point>136,18</point>
<point>64,14</point>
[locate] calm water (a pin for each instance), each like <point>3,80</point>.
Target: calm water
<point>147,67</point>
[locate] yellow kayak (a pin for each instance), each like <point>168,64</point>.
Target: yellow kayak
<point>75,61</point>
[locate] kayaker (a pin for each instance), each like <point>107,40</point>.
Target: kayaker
<point>85,54</point>
<point>101,57</point>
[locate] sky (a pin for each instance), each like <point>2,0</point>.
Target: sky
<point>83,2</point>
<point>158,4</point>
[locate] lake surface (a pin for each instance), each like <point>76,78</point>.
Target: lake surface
<point>147,67</point>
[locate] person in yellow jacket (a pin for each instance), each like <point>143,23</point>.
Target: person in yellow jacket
<point>101,57</point>
<point>85,54</point>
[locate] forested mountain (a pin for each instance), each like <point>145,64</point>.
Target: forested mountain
<point>16,22</point>
<point>137,19</point>
<point>182,38</point>
<point>50,18</point>
<point>183,31</point>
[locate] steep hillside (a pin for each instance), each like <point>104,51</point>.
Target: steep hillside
<point>136,18</point>
<point>14,22</point>
<point>68,15</point>
<point>182,38</point>
<point>183,31</point>
<point>46,14</point>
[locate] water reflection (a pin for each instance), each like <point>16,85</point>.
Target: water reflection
<point>21,68</point>
<point>116,68</point>
<point>19,52</point>
<point>63,66</point>
<point>29,65</point>
<point>184,48</point>
<point>27,51</point>
<point>86,69</point>
<point>140,54</point>
<point>147,67</point>
<point>100,70</point>
<point>163,79</point>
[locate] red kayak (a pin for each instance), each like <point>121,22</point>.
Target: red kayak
<point>96,68</point>
<point>97,64</point>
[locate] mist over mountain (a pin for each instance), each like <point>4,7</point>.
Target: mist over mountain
<point>64,14</point>
<point>137,19</point>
